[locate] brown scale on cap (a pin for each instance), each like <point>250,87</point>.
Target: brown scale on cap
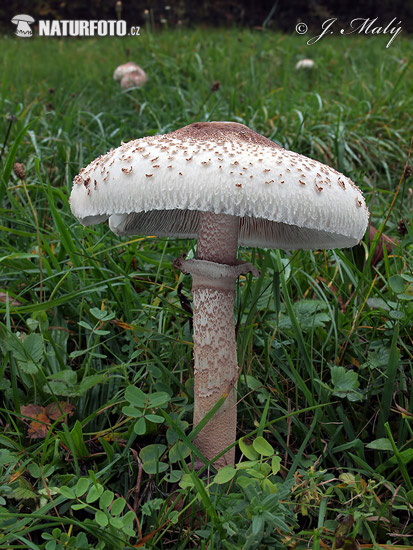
<point>78,180</point>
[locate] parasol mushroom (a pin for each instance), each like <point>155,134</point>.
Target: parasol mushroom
<point>226,185</point>
<point>130,75</point>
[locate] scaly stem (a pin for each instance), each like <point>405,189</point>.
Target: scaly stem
<point>215,348</point>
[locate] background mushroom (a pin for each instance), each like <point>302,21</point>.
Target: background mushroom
<point>226,185</point>
<point>130,75</point>
<point>304,64</point>
<point>23,23</point>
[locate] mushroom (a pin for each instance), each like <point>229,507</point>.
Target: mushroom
<point>304,64</point>
<point>23,21</point>
<point>130,75</point>
<point>226,185</point>
<point>133,79</point>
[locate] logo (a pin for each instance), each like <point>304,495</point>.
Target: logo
<point>73,28</point>
<point>23,23</point>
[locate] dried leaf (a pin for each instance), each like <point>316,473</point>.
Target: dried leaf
<point>32,410</point>
<point>42,417</point>
<point>383,240</point>
<point>55,411</point>
<point>39,427</point>
<point>5,297</point>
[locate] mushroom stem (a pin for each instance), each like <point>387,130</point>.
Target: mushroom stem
<point>215,348</point>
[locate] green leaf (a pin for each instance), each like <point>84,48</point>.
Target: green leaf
<point>151,506</point>
<point>178,451</point>
<point>262,446</point>
<point>67,492</point>
<point>106,499</point>
<point>225,474</point>
<point>82,486</point>
<point>90,382</point>
<point>63,383</point>
<point>159,398</point>
<point>128,519</point>
<point>118,506</point>
<point>173,517</point>
<point>381,444</point>
<point>405,457</point>
<point>78,506</point>
<point>310,314</point>
<point>155,418</point>
<point>102,315</point>
<point>377,303</point>
<point>396,314</point>
<point>345,383</point>
<point>378,358</point>
<point>247,449</point>
<point>23,491</point>
<point>131,411</point>
<point>94,493</point>
<point>83,324</point>
<point>396,283</point>
<point>275,464</point>
<point>101,518</point>
<point>140,427</point>
<point>257,525</point>
<point>186,481</point>
<point>28,351</point>
<point>116,522</point>
<point>136,397</point>
<point>150,456</point>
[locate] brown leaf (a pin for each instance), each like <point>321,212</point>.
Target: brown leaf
<point>39,427</point>
<point>383,240</point>
<point>5,297</point>
<point>42,417</point>
<point>57,411</point>
<point>32,410</point>
<point>143,540</point>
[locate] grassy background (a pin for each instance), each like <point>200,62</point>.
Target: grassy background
<point>323,337</point>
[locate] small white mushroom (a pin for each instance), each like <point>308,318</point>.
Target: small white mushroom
<point>130,75</point>
<point>304,64</point>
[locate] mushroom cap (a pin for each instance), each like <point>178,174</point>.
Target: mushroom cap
<point>304,64</point>
<point>26,18</point>
<point>133,79</point>
<point>126,68</point>
<point>158,185</point>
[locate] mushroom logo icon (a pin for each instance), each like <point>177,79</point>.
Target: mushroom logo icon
<point>23,23</point>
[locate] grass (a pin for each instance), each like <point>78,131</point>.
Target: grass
<point>324,456</point>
